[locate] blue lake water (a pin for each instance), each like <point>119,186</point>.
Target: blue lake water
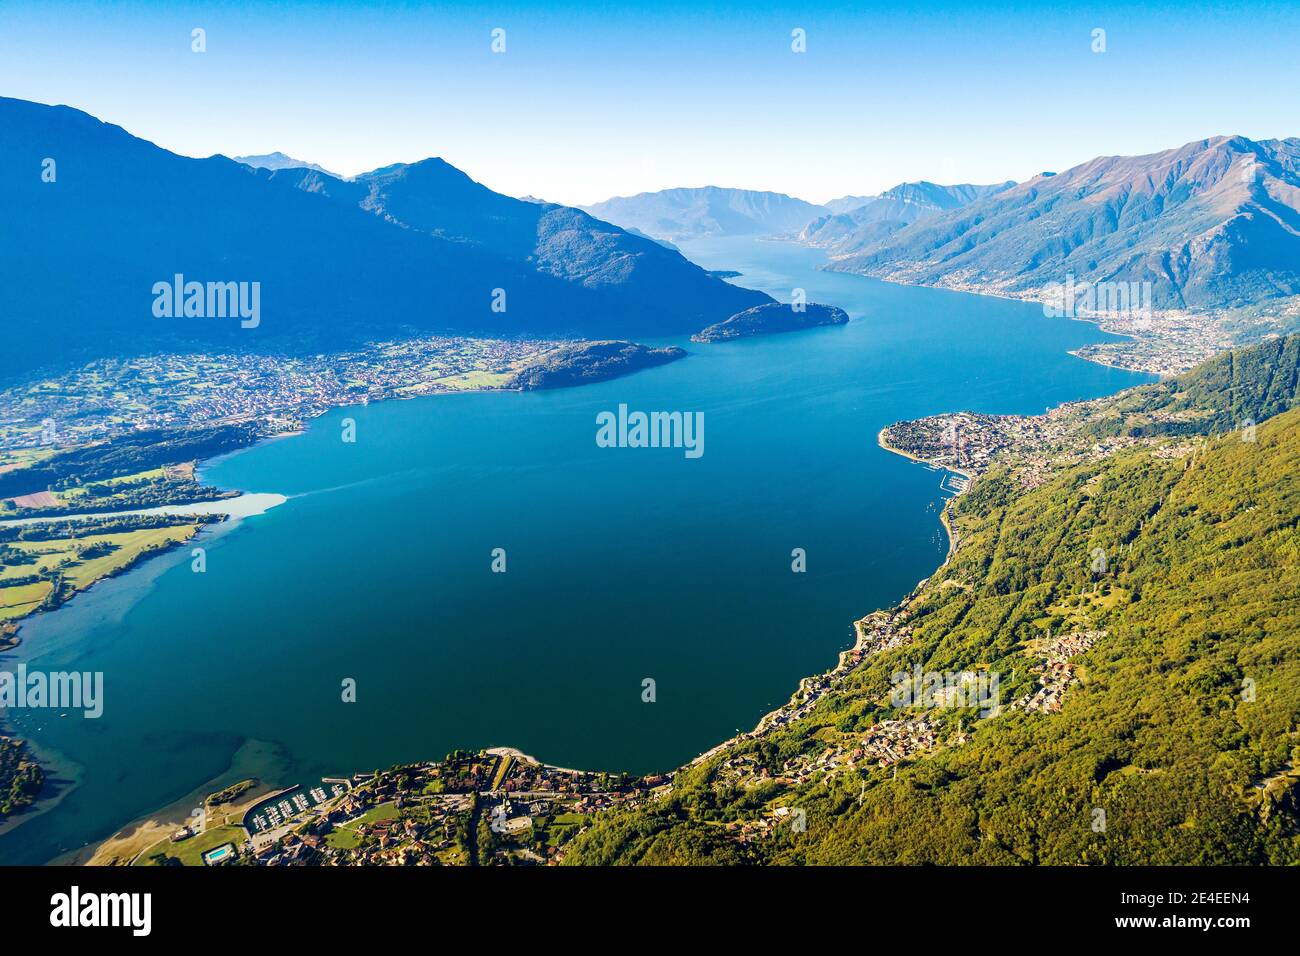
<point>622,564</point>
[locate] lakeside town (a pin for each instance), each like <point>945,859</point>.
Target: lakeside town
<point>111,397</point>
<point>1034,447</point>
<point>496,807</point>
<point>502,807</point>
<point>971,443</point>
<point>106,447</point>
<point>1170,342</point>
<point>1160,342</point>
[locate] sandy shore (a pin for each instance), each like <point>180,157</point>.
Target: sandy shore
<point>240,506</point>
<point>249,763</point>
<point>526,758</point>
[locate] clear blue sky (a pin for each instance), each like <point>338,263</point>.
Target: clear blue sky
<point>595,100</point>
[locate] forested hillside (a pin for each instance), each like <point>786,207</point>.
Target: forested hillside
<point>1142,613</point>
<point>1243,385</point>
<point>1211,224</point>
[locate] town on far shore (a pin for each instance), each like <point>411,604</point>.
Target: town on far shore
<point>110,397</point>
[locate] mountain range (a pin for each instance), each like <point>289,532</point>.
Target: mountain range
<point>846,203</point>
<point>682,214</point>
<point>874,218</point>
<point>97,217</point>
<point>278,160</point>
<point>1212,224</point>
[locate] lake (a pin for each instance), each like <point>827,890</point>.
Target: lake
<point>622,564</point>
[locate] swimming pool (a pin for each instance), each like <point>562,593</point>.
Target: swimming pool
<point>219,854</point>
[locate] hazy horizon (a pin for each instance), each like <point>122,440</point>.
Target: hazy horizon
<point>583,106</point>
<point>231,154</point>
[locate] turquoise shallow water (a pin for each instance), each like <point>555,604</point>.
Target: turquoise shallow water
<point>622,563</point>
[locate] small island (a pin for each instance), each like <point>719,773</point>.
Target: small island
<point>771,318</point>
<point>582,363</point>
<point>21,778</point>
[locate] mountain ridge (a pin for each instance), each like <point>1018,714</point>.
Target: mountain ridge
<point>880,216</point>
<point>563,242</point>
<point>122,214</point>
<point>684,213</point>
<point>1214,223</point>
<point>278,160</point>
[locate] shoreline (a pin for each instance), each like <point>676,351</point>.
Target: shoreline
<point>880,440</point>
<point>62,776</point>
<point>243,505</point>
<point>844,657</point>
<point>528,758</point>
<point>257,503</point>
<point>144,832</point>
<point>246,503</point>
<point>14,638</point>
<point>1102,320</point>
<point>860,633</point>
<point>944,518</point>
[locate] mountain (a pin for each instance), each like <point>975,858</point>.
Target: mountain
<point>634,231</point>
<point>1212,224</point>
<point>678,214</point>
<point>877,217</point>
<point>846,203</point>
<point>281,161</point>
<point>1159,687</point>
<point>400,250</point>
<point>623,271</point>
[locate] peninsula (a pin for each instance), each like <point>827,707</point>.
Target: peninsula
<point>771,318</point>
<point>583,363</point>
